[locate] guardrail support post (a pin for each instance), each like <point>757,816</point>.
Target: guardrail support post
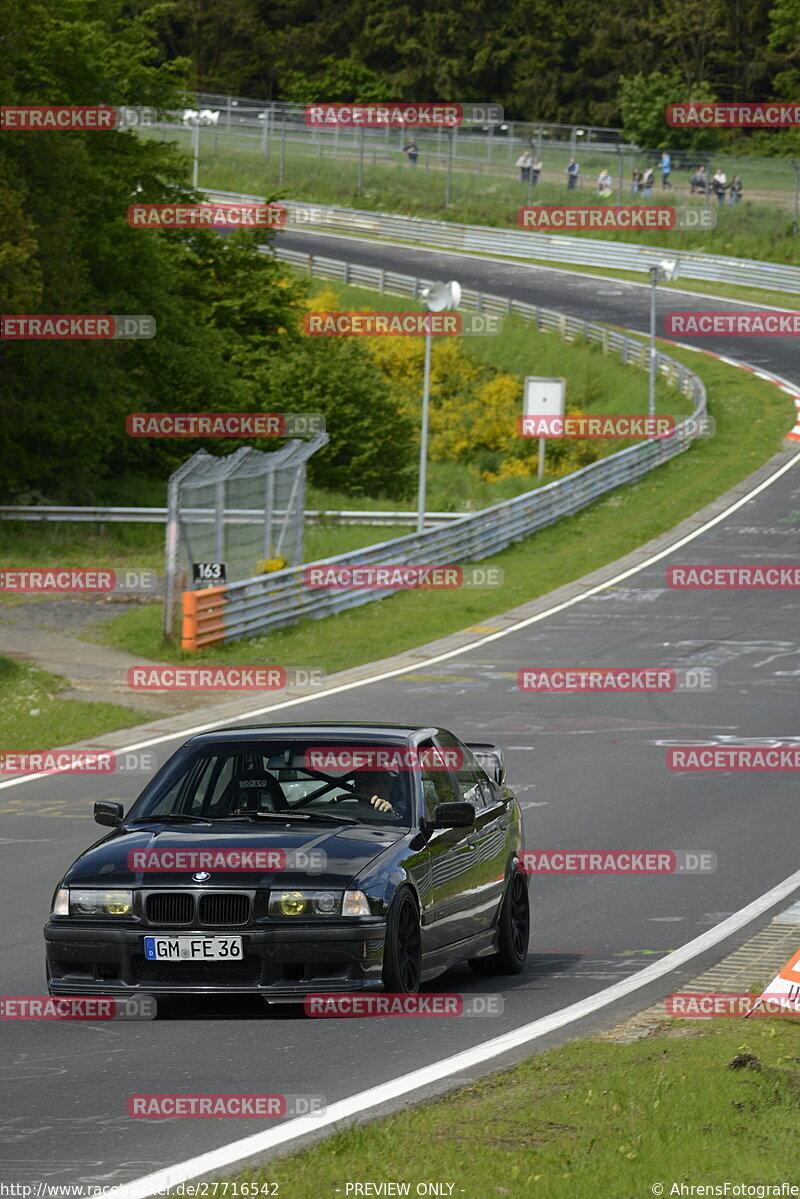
<point>189,631</point>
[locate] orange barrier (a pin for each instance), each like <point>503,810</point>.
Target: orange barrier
<point>203,617</point>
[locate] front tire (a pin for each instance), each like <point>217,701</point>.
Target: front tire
<point>402,953</point>
<point>514,925</point>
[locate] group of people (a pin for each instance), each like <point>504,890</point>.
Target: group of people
<point>530,167</point>
<point>642,181</point>
<point>717,185</point>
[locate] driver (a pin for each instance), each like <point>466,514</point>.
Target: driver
<point>374,788</point>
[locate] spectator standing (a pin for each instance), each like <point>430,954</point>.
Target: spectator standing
<point>637,180</point>
<point>411,150</point>
<point>647,183</point>
<point>699,181</point>
<point>665,166</point>
<point>735,191</point>
<point>604,183</point>
<point>525,162</point>
<point>536,170</point>
<point>719,184</point>
<point>572,174</point>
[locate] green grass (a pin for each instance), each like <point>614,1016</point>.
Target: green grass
<point>35,717</point>
<point>752,417</point>
<point>124,546</point>
<point>584,1120</point>
<point>600,381</point>
<point>231,162</point>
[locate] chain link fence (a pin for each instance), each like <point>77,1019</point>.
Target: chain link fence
<point>221,542</point>
<point>226,130</point>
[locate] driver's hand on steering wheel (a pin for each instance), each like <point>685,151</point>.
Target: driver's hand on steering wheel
<point>380,805</point>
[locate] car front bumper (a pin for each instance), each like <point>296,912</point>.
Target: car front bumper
<point>282,963</point>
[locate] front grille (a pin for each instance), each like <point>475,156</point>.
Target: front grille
<point>170,907</point>
<point>197,973</point>
<point>224,909</point>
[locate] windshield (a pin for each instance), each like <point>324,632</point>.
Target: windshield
<point>237,781</point>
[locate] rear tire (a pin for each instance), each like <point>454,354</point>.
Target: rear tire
<point>514,926</point>
<point>402,953</point>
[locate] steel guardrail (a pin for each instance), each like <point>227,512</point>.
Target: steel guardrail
<point>244,516</point>
<point>522,244</point>
<point>271,601</point>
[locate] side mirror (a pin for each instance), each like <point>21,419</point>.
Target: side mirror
<point>453,815</point>
<point>108,811</point>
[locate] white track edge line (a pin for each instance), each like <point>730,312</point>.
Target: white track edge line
<point>532,265</point>
<point>462,649</point>
<point>344,1109</point>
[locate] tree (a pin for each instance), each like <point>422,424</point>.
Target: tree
<point>643,100</point>
<point>67,248</point>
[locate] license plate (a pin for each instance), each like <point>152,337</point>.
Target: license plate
<point>193,949</point>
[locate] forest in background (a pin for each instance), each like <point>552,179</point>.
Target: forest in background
<point>541,60</point>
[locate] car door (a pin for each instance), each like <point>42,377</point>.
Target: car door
<point>451,914</point>
<point>492,819</point>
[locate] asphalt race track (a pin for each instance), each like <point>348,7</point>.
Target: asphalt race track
<point>590,772</point>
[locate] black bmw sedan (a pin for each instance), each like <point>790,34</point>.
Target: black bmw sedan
<point>291,859</point>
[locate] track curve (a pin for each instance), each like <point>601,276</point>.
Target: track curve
<point>590,771</point>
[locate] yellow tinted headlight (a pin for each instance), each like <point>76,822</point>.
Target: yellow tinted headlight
<point>292,903</point>
<point>305,903</point>
<point>97,903</point>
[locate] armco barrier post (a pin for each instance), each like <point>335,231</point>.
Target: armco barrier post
<point>189,633</point>
<point>203,617</point>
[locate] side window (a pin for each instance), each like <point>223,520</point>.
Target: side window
<point>436,788</point>
<point>473,783</point>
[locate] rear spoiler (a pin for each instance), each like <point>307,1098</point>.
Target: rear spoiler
<point>490,758</point>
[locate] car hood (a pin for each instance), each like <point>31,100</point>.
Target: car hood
<point>342,853</point>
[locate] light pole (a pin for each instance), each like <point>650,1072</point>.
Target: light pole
<point>665,270</point>
<point>195,149</point>
<point>437,298</point>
